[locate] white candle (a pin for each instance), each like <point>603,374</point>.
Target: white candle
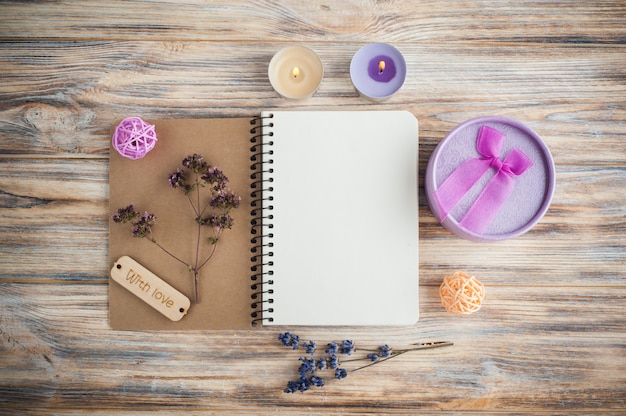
<point>295,72</point>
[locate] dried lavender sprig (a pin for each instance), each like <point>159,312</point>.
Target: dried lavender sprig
<point>309,366</point>
<point>394,353</point>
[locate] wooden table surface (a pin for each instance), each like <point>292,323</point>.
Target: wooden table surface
<point>551,336</point>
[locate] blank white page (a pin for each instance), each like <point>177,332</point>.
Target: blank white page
<point>345,217</point>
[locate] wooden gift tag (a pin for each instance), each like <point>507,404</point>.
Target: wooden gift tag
<point>150,288</point>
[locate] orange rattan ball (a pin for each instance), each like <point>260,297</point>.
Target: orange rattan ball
<point>461,294</point>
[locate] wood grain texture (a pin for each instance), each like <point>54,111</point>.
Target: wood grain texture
<point>47,202</point>
<point>561,21</point>
<point>542,358</point>
<point>551,336</point>
<point>570,94</point>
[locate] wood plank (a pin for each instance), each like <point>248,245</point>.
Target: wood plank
<point>45,203</point>
<point>54,219</point>
<point>61,98</point>
<point>521,352</point>
<point>342,21</point>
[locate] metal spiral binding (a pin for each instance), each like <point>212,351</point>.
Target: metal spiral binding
<point>261,225</point>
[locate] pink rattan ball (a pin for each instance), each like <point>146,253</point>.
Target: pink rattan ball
<point>134,138</point>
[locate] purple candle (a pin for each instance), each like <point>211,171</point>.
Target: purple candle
<point>378,70</point>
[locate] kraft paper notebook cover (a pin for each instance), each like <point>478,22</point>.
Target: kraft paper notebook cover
<point>326,233</point>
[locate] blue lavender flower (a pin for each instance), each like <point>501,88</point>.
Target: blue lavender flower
<point>310,347</point>
<point>317,381</point>
<point>347,347</point>
<point>340,373</point>
<point>332,348</point>
<point>303,384</point>
<point>289,340</point>
<point>310,365</point>
<point>333,361</point>
<point>292,387</point>
<point>384,351</point>
<point>307,366</point>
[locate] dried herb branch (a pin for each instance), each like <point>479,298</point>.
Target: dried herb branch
<point>211,199</point>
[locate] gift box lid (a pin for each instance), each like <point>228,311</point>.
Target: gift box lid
<point>490,179</point>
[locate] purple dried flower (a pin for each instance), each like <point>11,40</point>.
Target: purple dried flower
<point>214,175</point>
<point>321,364</point>
<point>372,357</point>
<point>225,199</point>
<point>125,214</point>
<point>222,221</point>
<point>177,179</point>
<point>195,162</point>
<point>188,178</point>
<point>142,227</point>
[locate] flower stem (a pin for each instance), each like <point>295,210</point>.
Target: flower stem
<point>167,251</point>
<point>197,193</point>
<point>423,346</point>
<point>209,257</point>
<point>192,205</point>
<point>217,236</point>
<point>204,209</point>
<point>196,268</point>
<point>196,284</point>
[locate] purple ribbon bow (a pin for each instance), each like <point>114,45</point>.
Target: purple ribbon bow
<point>497,190</point>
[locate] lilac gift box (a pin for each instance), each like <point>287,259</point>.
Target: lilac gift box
<point>490,179</point>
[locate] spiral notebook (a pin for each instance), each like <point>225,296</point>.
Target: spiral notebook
<point>326,234</point>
